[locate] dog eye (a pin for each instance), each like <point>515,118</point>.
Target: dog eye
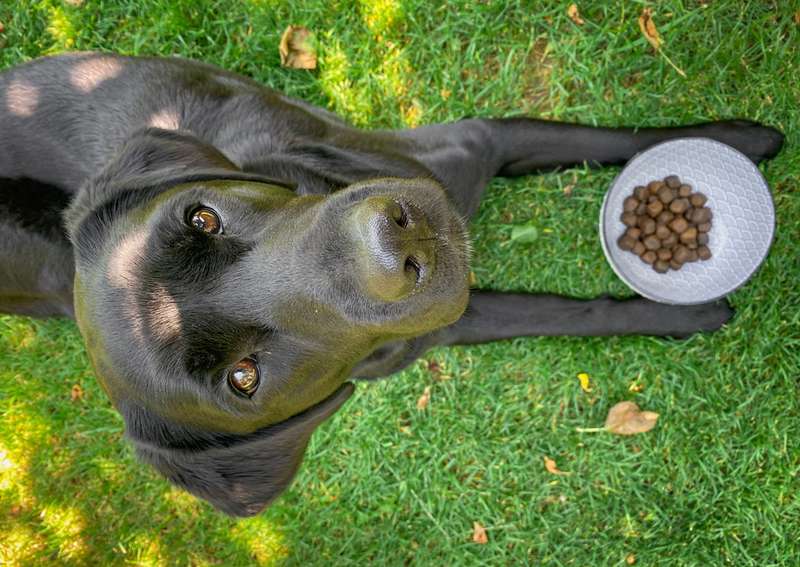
<point>205,219</point>
<point>244,376</point>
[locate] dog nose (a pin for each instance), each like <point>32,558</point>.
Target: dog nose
<point>394,246</point>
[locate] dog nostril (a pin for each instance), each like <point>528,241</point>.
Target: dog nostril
<point>412,266</point>
<point>399,215</point>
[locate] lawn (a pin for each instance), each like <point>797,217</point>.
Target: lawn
<point>717,482</point>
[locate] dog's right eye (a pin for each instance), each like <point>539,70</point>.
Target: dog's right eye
<point>206,219</point>
<point>244,376</point>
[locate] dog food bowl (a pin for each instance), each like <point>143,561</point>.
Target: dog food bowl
<point>743,224</point>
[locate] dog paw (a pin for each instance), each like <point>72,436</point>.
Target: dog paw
<point>756,141</point>
<point>701,318</point>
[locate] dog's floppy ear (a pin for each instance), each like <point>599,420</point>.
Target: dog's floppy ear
<point>154,159</point>
<point>241,475</point>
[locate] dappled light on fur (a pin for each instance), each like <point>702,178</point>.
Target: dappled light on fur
<point>89,74</point>
<point>167,119</point>
<point>22,98</point>
<point>123,260</point>
<point>165,318</point>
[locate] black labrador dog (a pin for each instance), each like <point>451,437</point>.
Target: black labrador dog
<point>233,256</point>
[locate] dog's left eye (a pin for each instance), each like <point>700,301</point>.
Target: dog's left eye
<point>206,219</point>
<point>244,376</point>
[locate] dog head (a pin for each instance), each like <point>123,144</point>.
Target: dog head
<point>222,312</point>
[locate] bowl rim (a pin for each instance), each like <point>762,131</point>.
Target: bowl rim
<point>664,300</point>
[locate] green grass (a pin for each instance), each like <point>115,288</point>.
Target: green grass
<point>715,483</point>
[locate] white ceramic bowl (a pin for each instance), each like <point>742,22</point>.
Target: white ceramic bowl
<point>742,226</point>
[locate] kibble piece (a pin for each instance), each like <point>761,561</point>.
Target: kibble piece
<point>630,204</point>
<point>675,265</point>
<point>641,209</point>
<point>662,232</point>
<point>670,241</point>
<point>681,254</point>
<point>679,205</point>
<point>705,227</point>
<point>652,243</point>
<point>664,254</point>
<point>626,242</point>
<point>684,190</point>
<point>678,224</point>
<point>702,238</point>
<point>666,194</point>
<point>661,266</point>
<point>641,193</point>
<point>654,186</point>
<point>698,199</point>
<point>665,217</point>
<point>701,215</point>
<point>704,252</point>
<point>654,208</point>
<point>634,232</point>
<point>629,219</point>
<point>689,235</point>
<point>693,257</point>
<point>639,248</point>
<point>649,257</point>
<point>647,225</point>
<point>672,181</point>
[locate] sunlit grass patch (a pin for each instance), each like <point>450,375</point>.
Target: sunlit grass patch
<point>381,16</point>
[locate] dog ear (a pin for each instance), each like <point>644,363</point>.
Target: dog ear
<point>242,475</point>
<point>154,159</point>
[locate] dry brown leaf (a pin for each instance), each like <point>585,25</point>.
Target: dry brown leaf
<point>551,466</point>
<point>76,393</point>
<point>648,28</point>
<point>797,17</point>
<point>424,399</point>
<point>630,559</point>
<point>575,15</point>
<point>625,418</point>
<point>297,48</point>
<point>479,534</point>
<point>568,189</point>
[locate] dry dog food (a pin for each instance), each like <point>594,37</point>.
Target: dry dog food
<point>668,224</point>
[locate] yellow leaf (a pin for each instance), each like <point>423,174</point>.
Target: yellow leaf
<point>584,380</point>
<point>575,15</point>
<point>648,28</point>
<point>552,468</point>
<point>479,534</point>
<point>297,48</point>
<point>76,393</point>
<point>625,418</point>
<point>424,399</point>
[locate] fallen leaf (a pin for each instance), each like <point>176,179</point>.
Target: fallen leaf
<point>648,28</point>
<point>630,559</point>
<point>552,468</point>
<point>568,189</point>
<point>76,393</point>
<point>434,367</point>
<point>575,15</point>
<point>625,418</point>
<point>635,387</point>
<point>479,534</point>
<point>424,399</point>
<point>797,17</point>
<point>297,48</point>
<point>584,380</point>
<point>524,233</point>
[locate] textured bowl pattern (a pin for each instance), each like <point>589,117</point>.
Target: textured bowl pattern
<point>743,223</point>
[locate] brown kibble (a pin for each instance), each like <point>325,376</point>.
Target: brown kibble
<point>675,265</point>
<point>661,266</point>
<point>641,209</point>
<point>698,199</point>
<point>684,190</point>
<point>649,257</point>
<point>652,242</point>
<point>670,241</point>
<point>662,232</point>
<point>630,204</point>
<point>702,238</point>
<point>701,215</point>
<point>693,257</point>
<point>641,193</point>
<point>634,232</point>
<point>664,254</point>
<point>705,227</point>
<point>654,186</point>
<point>704,252</point>
<point>639,249</point>
<point>665,217</point>
<point>689,235</point>
<point>654,208</point>
<point>679,224</point>
<point>647,225</point>
<point>666,195</point>
<point>626,242</point>
<point>679,205</point>
<point>681,254</point>
<point>692,245</point>
<point>672,181</point>
<point>629,219</point>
